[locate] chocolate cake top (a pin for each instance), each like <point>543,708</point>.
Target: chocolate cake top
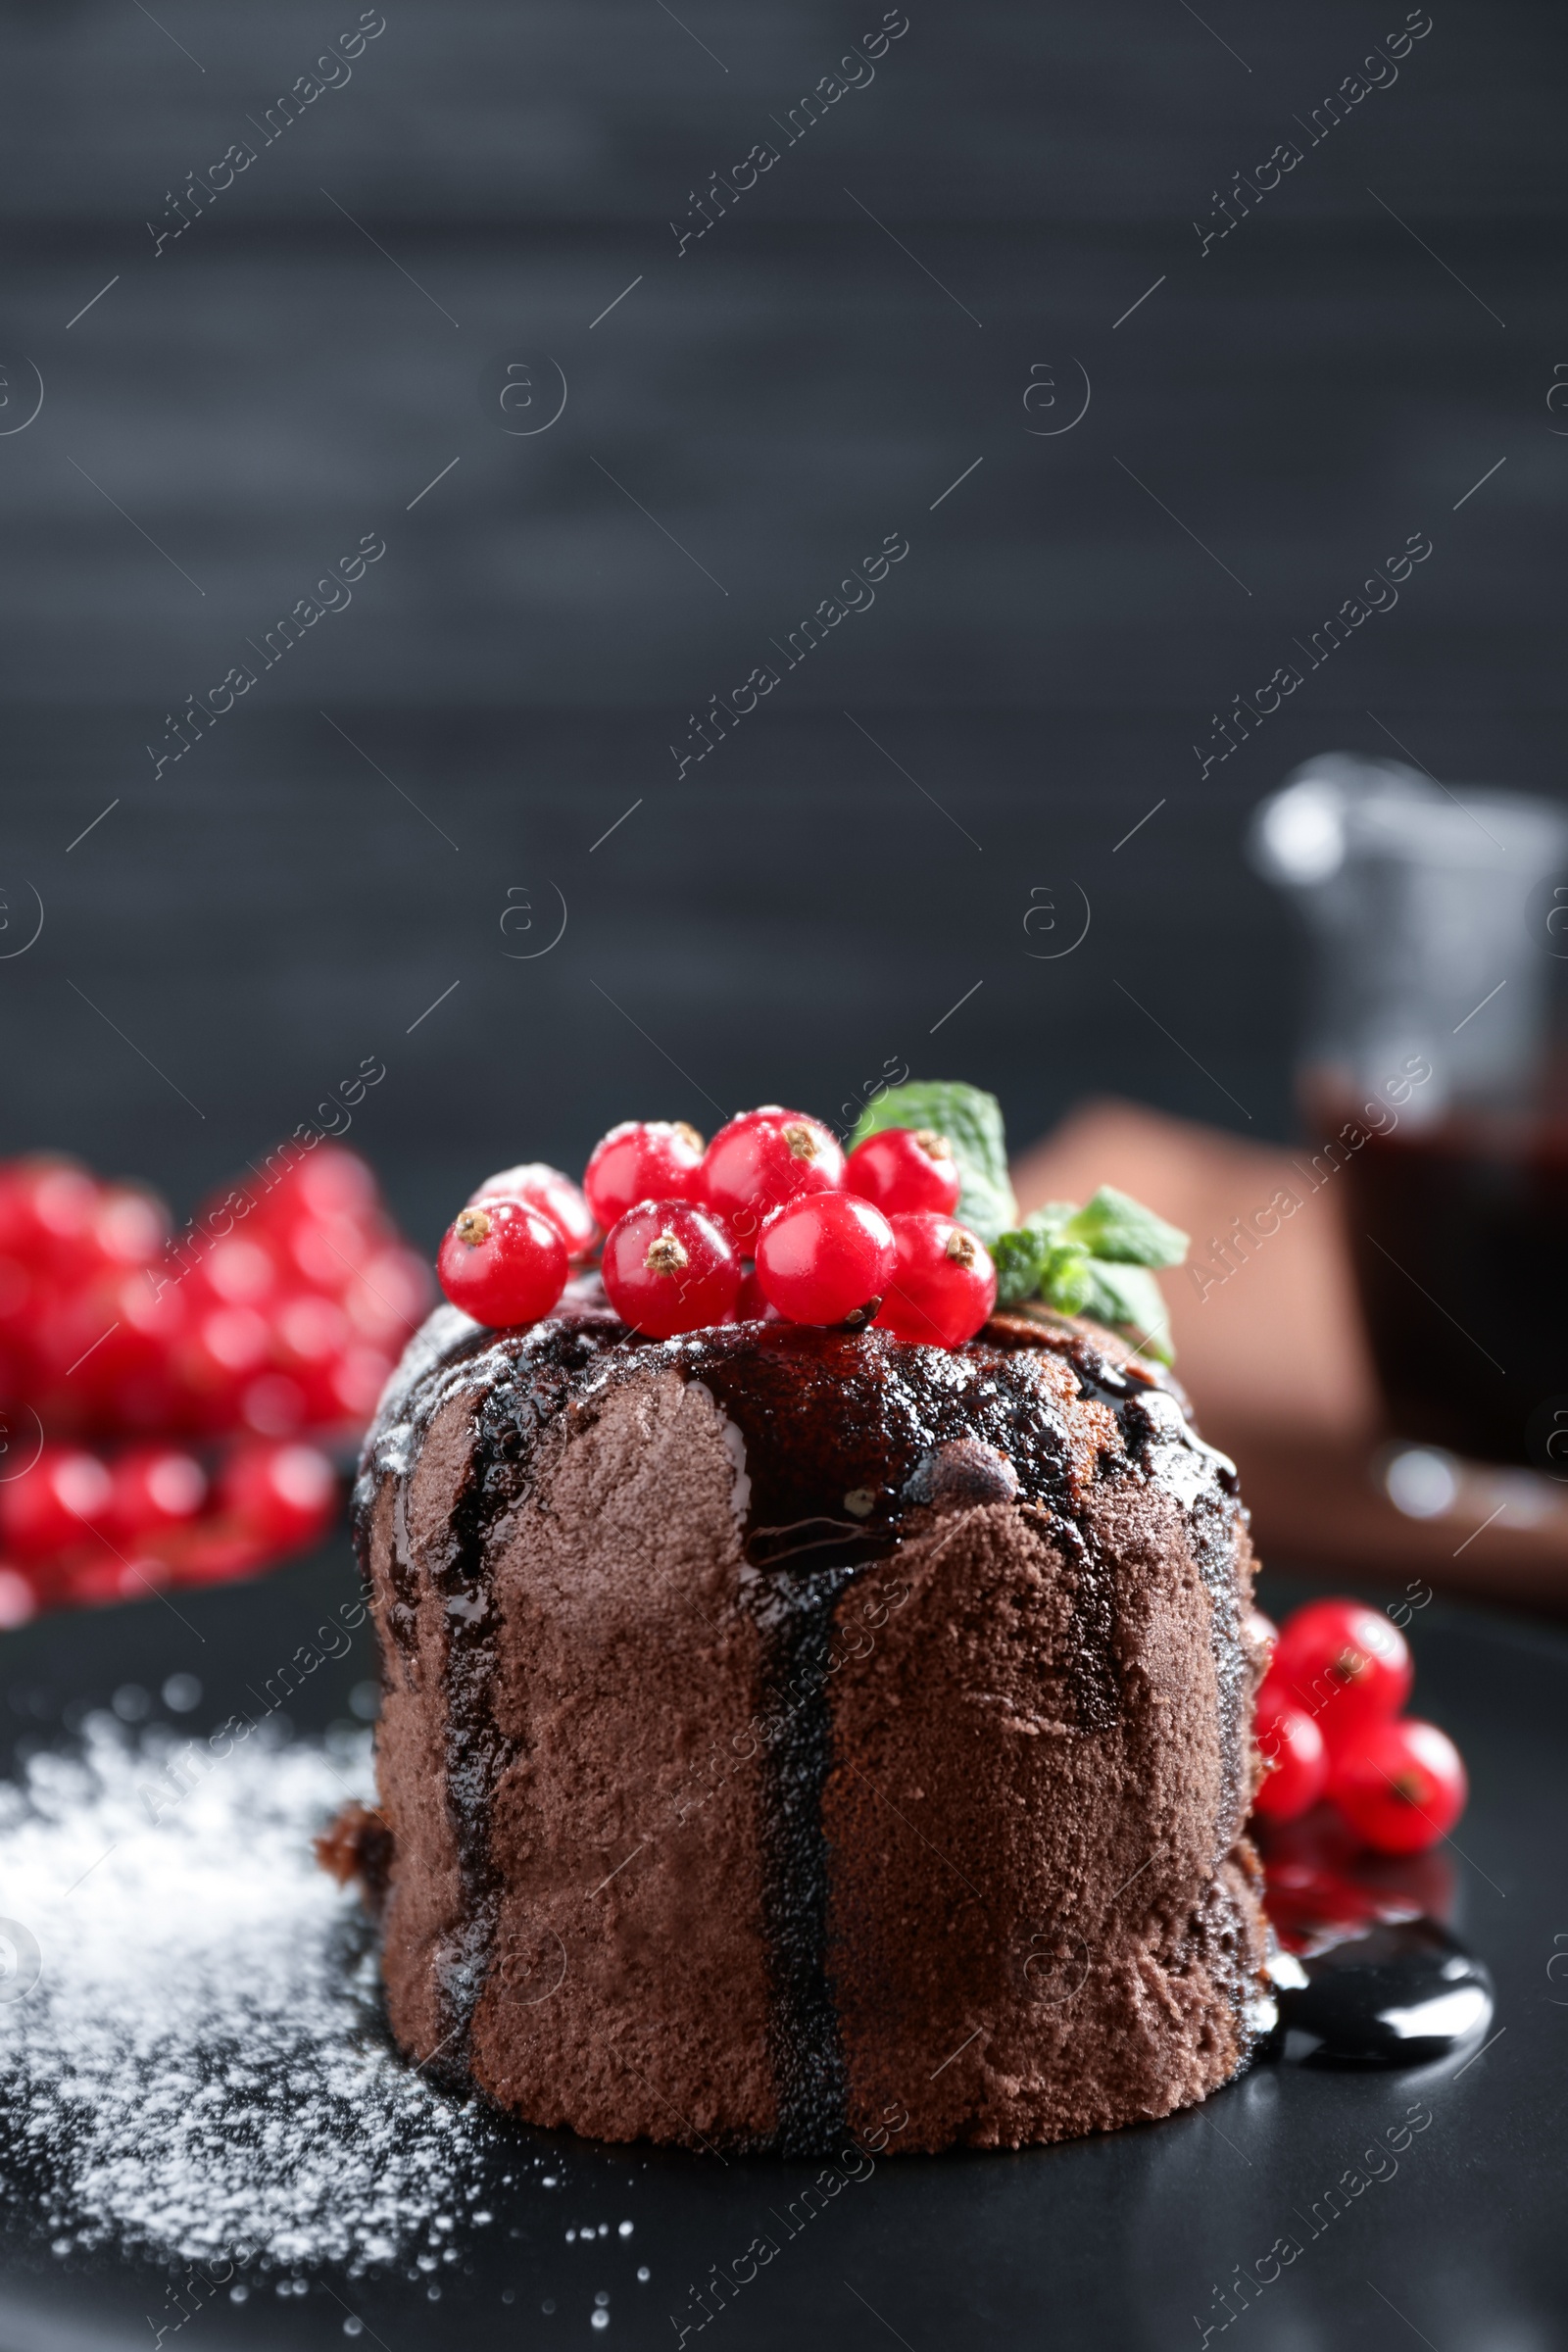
<point>850,1415</point>
<point>842,1438</point>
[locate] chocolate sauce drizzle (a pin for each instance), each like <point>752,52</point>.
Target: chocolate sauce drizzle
<point>796,1620</point>
<point>1206,1484</point>
<point>516,1396</point>
<point>850,1440</point>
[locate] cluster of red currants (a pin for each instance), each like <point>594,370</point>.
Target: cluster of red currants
<point>279,1315</point>
<point>80,1529</point>
<point>769,1222</point>
<point>284,1308</point>
<point>1327,1724</point>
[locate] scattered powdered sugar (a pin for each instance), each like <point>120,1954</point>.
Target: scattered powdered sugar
<point>388,1441</point>
<point>200,2068</point>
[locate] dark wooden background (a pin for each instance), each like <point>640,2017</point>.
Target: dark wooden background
<point>804,906</point>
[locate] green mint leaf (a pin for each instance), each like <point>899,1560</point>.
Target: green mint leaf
<point>1121,1231</point>
<point>1023,1256</point>
<point>1020,1261</point>
<point>1129,1299</point>
<point>1052,1219</point>
<point>971,1122</point>
<point>1067,1282</point>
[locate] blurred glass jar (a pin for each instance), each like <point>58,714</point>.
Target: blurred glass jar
<point>1433,1068</point>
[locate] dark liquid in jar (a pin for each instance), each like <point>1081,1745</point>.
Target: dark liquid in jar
<point>1458,1234</point>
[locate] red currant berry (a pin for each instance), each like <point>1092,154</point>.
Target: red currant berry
<point>273,1406</point>
<point>752,1304</point>
<point>62,1201</point>
<point>503,1263</point>
<point>553,1195</point>
<point>357,1382</point>
<point>283,1496</point>
<point>642,1159</point>
<point>944,1284</point>
<point>18,1290</point>
<point>389,1300</point>
<point>743,1249</point>
<point>1402,1785</point>
<point>238,1271</point>
<point>827,1258</point>
<point>156,1487</point>
<point>98,1580</point>
<point>58,1502</point>
<point>764,1159</point>
<point>904,1168</point>
<point>236,1340</point>
<point>670,1268</point>
<point>17,1599</point>
<point>129,1227</point>
<point>220,1550</point>
<point>309,1330</point>
<point>114,1331</point>
<point>332,1182</point>
<point>1295,1762</point>
<point>140,1384</point>
<point>1348,1665</point>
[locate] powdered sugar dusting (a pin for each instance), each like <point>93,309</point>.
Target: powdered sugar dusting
<point>388,1449</point>
<point>199,2069</point>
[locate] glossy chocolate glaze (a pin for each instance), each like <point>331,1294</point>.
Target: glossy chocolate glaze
<point>849,1440</point>
<point>521,1393</point>
<point>1403,1993</point>
<point>796,1614</point>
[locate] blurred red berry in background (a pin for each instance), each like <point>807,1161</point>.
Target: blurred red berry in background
<point>273,1317</point>
<point>64,1494</point>
<point>154,1487</point>
<point>282,1494</point>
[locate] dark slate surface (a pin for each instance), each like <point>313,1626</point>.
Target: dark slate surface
<point>1131,2240</point>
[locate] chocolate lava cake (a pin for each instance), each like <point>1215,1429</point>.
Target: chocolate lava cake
<point>790,1728</point>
